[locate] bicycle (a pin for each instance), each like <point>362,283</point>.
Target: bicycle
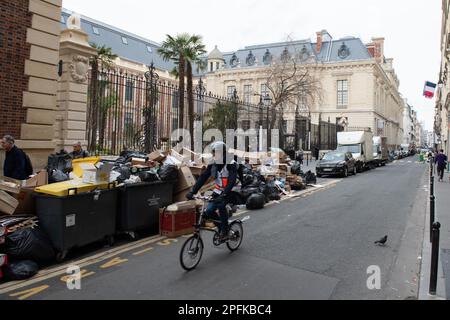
<point>192,250</point>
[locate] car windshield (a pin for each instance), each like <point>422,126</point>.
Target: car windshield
<point>334,157</point>
<point>354,148</point>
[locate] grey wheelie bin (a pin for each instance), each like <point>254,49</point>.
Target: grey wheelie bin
<point>138,207</point>
<point>77,219</point>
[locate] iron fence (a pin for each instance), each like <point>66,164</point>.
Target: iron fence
<point>140,112</point>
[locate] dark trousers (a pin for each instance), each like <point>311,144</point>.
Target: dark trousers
<point>211,211</point>
<point>440,170</point>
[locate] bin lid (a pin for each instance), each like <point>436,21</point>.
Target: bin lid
<point>61,189</point>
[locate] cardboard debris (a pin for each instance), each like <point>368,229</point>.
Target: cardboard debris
<point>185,179</point>
<point>143,162</point>
<point>96,174</point>
<point>10,185</point>
<point>183,205</point>
<point>8,203</point>
<point>157,156</point>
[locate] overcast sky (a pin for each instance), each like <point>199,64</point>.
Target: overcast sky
<point>411,28</point>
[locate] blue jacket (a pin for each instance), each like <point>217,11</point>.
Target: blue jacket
<point>15,164</point>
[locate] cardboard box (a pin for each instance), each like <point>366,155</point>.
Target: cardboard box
<point>10,185</point>
<point>96,173</point>
<point>41,179</point>
<point>8,203</point>
<point>185,179</point>
<point>157,156</point>
<point>27,204</point>
<point>197,171</point>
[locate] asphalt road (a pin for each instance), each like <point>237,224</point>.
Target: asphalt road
<point>316,247</point>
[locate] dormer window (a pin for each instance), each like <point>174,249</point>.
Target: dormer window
<point>344,51</point>
<point>124,40</point>
<point>304,54</point>
<point>95,30</point>
<point>285,56</point>
<point>250,59</point>
<point>149,49</point>
<point>234,61</point>
<point>267,59</point>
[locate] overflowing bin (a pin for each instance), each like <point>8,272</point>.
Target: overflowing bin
<point>78,219</point>
<point>138,208</point>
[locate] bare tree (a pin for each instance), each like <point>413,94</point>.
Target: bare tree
<point>293,84</point>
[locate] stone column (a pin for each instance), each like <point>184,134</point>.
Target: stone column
<point>75,53</point>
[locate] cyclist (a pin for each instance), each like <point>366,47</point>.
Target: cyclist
<point>224,170</point>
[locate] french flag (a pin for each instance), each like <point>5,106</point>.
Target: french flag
<point>429,90</point>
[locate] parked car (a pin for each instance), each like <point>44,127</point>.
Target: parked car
<point>336,163</point>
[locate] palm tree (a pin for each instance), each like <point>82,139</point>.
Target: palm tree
<point>174,48</point>
<point>104,59</point>
<point>193,56</point>
<point>185,50</point>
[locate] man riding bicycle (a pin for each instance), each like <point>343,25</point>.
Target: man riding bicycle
<point>225,175</point>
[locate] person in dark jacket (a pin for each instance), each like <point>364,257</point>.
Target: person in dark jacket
<point>225,175</point>
<point>78,152</point>
<point>15,160</point>
<point>441,161</point>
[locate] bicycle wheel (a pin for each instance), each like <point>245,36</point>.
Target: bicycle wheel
<point>236,236</point>
<point>191,253</point>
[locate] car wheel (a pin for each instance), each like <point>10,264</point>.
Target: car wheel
<point>345,172</point>
<point>319,175</point>
<point>355,171</point>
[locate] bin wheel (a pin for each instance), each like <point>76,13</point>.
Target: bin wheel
<point>61,255</point>
<point>110,240</point>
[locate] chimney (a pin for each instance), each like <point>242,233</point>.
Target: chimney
<point>319,41</point>
<point>371,49</point>
<point>379,48</point>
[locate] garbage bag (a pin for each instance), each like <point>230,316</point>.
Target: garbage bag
<point>29,244</point>
<point>148,176</point>
<point>256,201</point>
<point>296,168</point>
<point>235,199</point>
<point>57,175</point>
<point>168,172</point>
<point>125,173</point>
<point>310,178</point>
<point>271,192</point>
<point>59,161</point>
<point>21,270</point>
<point>247,192</point>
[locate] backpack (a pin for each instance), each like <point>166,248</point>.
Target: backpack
<point>28,165</point>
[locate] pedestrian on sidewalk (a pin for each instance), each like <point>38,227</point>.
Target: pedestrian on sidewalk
<point>441,161</point>
<point>17,164</point>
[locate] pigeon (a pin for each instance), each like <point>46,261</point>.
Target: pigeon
<point>382,241</point>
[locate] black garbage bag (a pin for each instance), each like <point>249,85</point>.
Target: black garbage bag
<point>235,199</point>
<point>245,193</point>
<point>29,244</point>
<point>21,270</point>
<point>310,178</point>
<point>247,169</point>
<point>125,173</point>
<point>256,201</point>
<point>148,176</point>
<point>168,172</point>
<point>296,168</point>
<point>60,161</point>
<point>126,156</point>
<point>271,192</point>
<point>57,175</point>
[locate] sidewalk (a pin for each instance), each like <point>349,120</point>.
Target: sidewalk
<point>442,194</point>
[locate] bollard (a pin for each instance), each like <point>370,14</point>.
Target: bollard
<point>432,185</point>
<point>431,167</point>
<point>432,215</point>
<point>434,258</point>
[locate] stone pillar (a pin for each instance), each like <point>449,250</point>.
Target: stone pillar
<point>75,53</point>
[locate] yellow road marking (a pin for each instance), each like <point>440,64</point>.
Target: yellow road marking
<point>12,286</point>
<point>113,262</point>
<point>83,274</point>
<point>142,251</point>
<point>29,293</point>
<point>166,242</point>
